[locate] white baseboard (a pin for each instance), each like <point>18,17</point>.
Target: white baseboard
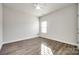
<point>51,38</point>
<point>21,39</point>
<point>1,46</point>
<point>44,36</point>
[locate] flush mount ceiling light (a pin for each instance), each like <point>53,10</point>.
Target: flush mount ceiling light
<point>37,6</point>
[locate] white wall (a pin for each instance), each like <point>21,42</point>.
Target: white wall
<point>78,23</point>
<point>1,34</point>
<point>18,25</point>
<point>62,25</point>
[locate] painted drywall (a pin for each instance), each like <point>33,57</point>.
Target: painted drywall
<point>78,24</point>
<point>61,25</point>
<point>18,25</point>
<point>1,32</point>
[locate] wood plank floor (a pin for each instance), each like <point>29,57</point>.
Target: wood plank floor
<point>38,46</point>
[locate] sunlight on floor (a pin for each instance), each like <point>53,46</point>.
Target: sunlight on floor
<point>45,50</point>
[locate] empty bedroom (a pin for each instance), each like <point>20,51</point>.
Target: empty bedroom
<point>39,29</point>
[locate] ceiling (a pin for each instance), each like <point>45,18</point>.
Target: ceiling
<point>29,7</point>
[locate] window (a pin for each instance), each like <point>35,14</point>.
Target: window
<point>44,26</point>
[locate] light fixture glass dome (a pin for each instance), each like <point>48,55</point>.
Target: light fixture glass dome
<point>37,6</point>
